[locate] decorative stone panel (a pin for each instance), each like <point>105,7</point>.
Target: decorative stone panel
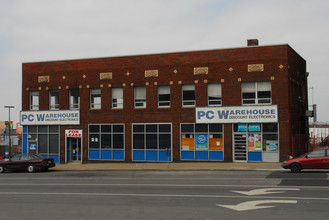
<point>44,79</point>
<point>200,70</point>
<point>255,68</point>
<point>151,73</point>
<point>105,76</point>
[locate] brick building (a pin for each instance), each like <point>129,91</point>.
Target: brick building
<point>240,104</point>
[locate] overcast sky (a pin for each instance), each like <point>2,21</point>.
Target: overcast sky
<point>42,30</point>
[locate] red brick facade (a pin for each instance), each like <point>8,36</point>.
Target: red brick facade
<point>281,65</point>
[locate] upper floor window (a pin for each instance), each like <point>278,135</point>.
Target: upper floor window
<point>254,93</point>
<point>117,97</point>
<point>74,99</point>
<point>53,100</point>
<point>34,100</point>
<point>163,96</point>
<point>140,97</point>
<point>188,95</point>
<point>214,94</point>
<point>95,98</point>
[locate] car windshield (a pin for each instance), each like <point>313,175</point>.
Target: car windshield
<point>303,155</point>
<point>38,156</point>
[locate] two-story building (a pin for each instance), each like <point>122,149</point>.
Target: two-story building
<point>241,104</point>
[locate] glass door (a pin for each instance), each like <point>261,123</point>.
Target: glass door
<point>240,147</point>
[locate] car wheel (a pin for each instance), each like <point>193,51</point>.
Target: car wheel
<point>295,168</point>
<point>2,169</point>
<point>31,168</point>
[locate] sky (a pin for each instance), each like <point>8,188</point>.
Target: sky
<point>44,30</point>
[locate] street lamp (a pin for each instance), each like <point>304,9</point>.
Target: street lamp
<point>9,145</point>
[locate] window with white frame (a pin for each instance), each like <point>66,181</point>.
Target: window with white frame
<point>140,97</point>
<point>213,134</point>
<point>106,136</point>
<point>95,98</point>
<point>151,136</point>
<point>254,93</point>
<point>34,100</point>
<point>53,100</point>
<point>163,96</point>
<point>117,97</point>
<point>74,99</point>
<point>214,94</point>
<point>188,95</point>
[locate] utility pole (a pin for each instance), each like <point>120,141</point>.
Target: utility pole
<point>9,145</point>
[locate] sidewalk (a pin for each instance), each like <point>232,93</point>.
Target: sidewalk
<point>183,166</point>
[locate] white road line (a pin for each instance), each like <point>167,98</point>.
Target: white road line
<point>156,185</point>
<point>158,195</point>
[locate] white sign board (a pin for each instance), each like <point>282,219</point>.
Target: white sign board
<point>237,114</point>
<point>62,117</point>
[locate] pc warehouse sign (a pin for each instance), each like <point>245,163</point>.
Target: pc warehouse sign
<point>65,117</point>
<point>237,114</point>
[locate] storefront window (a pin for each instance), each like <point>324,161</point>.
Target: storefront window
<point>44,140</point>
<point>270,137</point>
<point>106,142</point>
<point>151,136</point>
<point>106,137</point>
<point>203,137</point>
<point>258,138</point>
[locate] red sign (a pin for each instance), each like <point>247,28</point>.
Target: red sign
<point>73,133</point>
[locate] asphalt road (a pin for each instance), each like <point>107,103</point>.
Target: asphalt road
<point>225,195</point>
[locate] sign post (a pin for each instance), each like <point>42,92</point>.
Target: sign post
<point>168,152</point>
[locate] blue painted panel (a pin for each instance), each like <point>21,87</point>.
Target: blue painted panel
<point>152,155</point>
<point>24,143</point>
<point>163,156</point>
<point>94,155</point>
<point>118,154</point>
<point>138,155</point>
<point>201,155</point>
<point>55,157</point>
<point>255,156</point>
<point>25,129</point>
<point>106,155</point>
<point>215,155</point>
<point>187,155</point>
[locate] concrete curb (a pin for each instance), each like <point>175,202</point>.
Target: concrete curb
<point>193,166</point>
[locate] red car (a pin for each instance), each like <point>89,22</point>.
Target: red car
<point>29,162</point>
<point>317,159</point>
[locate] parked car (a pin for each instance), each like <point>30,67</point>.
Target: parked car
<point>29,162</point>
<point>317,159</point>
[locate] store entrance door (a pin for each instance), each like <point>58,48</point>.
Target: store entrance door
<point>240,147</point>
<point>74,150</point>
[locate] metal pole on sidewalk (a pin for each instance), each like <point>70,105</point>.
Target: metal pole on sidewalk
<point>9,144</point>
